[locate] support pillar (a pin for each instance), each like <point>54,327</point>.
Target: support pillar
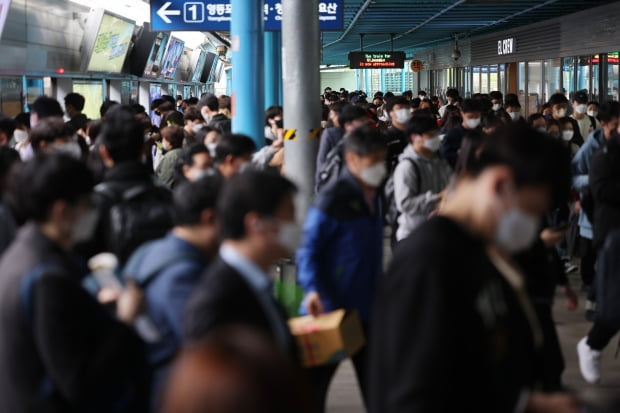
<point>273,69</point>
<point>302,111</point>
<point>248,93</point>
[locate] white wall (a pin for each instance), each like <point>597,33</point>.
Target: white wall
<point>345,78</point>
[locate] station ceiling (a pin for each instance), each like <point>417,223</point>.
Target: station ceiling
<point>419,24</point>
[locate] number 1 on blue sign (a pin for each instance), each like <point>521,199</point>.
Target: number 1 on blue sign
<point>193,13</point>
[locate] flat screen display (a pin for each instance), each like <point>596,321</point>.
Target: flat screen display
<point>199,67</point>
<point>172,57</point>
<point>209,64</point>
<point>156,55</point>
<point>111,45</point>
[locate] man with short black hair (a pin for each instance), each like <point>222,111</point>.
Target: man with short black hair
<point>340,260</point>
<point>420,176</point>
<point>52,134</point>
<point>74,105</point>
<point>7,128</point>
<point>452,96</point>
<point>232,153</point>
<point>209,106</point>
<point>257,227</point>
<point>399,110</point>
<point>193,124</point>
<point>471,112</point>
<point>559,106</point>
<point>587,124</point>
<point>60,350</point>
<point>167,271</point>
<point>44,107</point>
<point>128,190</point>
<point>195,163</point>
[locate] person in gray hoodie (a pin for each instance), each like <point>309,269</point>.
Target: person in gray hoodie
<point>420,176</point>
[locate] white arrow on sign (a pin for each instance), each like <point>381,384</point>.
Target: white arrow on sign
<point>163,12</point>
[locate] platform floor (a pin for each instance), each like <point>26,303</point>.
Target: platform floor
<point>344,396</point>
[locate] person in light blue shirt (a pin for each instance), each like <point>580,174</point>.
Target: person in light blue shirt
<point>608,115</point>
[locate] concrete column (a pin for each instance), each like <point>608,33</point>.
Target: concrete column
<point>248,92</point>
<point>273,69</point>
<point>302,109</point>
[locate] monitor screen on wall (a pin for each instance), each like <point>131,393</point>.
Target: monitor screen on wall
<point>148,52</point>
<point>208,67</point>
<point>197,64</point>
<point>172,57</point>
<point>111,44</point>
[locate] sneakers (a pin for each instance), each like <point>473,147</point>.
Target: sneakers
<point>589,362</point>
<point>569,267</point>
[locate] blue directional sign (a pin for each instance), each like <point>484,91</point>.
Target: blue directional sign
<point>192,15</point>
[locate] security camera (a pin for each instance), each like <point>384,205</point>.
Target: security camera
<point>221,50</point>
<point>456,54</point>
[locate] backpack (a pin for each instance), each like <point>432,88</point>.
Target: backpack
<point>137,213</point>
<point>608,282</point>
<point>391,211</point>
<point>332,166</point>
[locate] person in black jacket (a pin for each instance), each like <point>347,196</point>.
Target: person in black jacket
<point>133,206</point>
<point>453,329</point>
<point>257,226</point>
<point>60,350</point>
<point>604,178</point>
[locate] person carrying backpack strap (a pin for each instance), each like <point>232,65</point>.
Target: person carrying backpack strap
<point>420,176</point>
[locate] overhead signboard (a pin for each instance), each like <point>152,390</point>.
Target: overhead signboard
<point>377,60</point>
<point>205,15</point>
<point>506,46</point>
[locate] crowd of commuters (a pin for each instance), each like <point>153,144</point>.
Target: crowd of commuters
<point>137,251</point>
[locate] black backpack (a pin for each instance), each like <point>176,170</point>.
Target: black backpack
<point>136,214</point>
<point>332,166</point>
<point>391,212</point>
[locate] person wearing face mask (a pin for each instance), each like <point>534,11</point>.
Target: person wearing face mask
<point>340,259</point>
<point>232,154</point>
<point>471,112</point>
<point>609,115</point>
<point>587,124</point>
<point>399,110</point>
<point>74,345</point>
<point>559,106</point>
<point>257,227</point>
<point>567,134</point>
<point>193,124</point>
<point>537,121</point>
<point>513,108</point>
<point>452,96</point>
<point>168,270</point>
<point>194,163</point>
<point>452,283</point>
<point>497,100</point>
<point>172,141</point>
<point>593,108</point>
<point>420,177</point>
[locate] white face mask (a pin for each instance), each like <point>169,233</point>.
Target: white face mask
<point>593,113</point>
<point>402,116</point>
<point>514,116</point>
<point>197,128</point>
<point>374,175</point>
<point>497,106</point>
<point>516,230</point>
<point>72,149</point>
<point>542,129</point>
<point>567,135</point>
<point>85,226</point>
<point>581,109</point>
<point>433,143</point>
<point>211,147</point>
<point>289,236</point>
<point>561,113</point>
<point>472,123</point>
<point>20,136</point>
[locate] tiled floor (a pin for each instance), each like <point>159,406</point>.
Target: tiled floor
<point>344,394</point>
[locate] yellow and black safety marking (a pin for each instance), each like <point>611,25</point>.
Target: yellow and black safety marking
<point>314,133</point>
<point>290,135</point>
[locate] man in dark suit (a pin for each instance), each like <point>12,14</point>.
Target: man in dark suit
<point>257,218</point>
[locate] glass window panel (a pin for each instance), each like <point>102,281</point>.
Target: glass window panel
<point>534,86</point>
<point>502,78</point>
<point>568,76</point>
<point>476,80</point>
<point>583,73</point>
<point>521,78</point>
<point>552,78</point>
<point>11,95</point>
<point>613,61</point>
<point>424,81</point>
<point>493,78</point>
<point>484,79</point>
<point>596,61</point>
<point>93,93</point>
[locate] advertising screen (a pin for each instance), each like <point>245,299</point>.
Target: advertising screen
<point>111,45</point>
<point>199,66</point>
<point>172,57</point>
<point>209,64</point>
<point>156,55</point>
